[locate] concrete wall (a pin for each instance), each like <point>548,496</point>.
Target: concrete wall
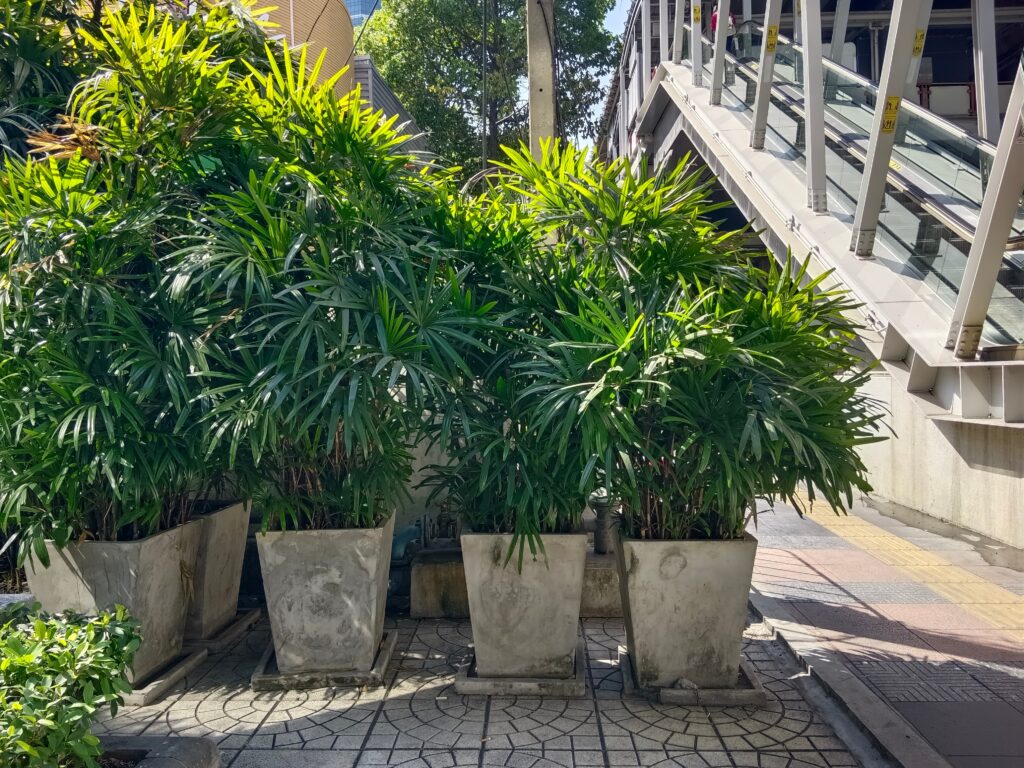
<point>971,475</point>
<point>324,26</point>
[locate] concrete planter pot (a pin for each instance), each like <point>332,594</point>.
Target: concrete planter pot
<point>218,573</point>
<point>326,591</point>
<point>152,578</point>
<point>525,623</point>
<point>684,605</point>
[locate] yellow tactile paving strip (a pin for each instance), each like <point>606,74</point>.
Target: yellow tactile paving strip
<point>1000,607</point>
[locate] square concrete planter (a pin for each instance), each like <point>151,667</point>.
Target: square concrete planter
<point>685,605</point>
<point>525,623</point>
<point>151,577</point>
<point>218,573</point>
<point>326,591</point>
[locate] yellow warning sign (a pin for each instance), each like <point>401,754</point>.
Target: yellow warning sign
<point>919,42</point>
<point>696,13</point>
<point>771,38</point>
<point>890,113</point>
<point>895,166</point>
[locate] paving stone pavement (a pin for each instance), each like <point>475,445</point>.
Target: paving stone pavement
<point>418,721</point>
<point>924,616</point>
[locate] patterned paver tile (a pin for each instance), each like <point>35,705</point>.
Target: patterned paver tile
<point>130,721</point>
<point>229,721</point>
<point>806,592</point>
<point>420,713</point>
<point>827,759</point>
<point>638,725</point>
<point>544,724</point>
<point>315,721</point>
<point>923,681</point>
<point>775,726</point>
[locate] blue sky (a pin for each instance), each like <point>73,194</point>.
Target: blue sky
<point>615,22</point>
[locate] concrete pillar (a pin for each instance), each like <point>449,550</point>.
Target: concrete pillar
<point>721,38</point>
<point>765,73</point>
<point>814,106</point>
<point>540,47</point>
<point>893,82</point>
<point>998,209</point>
<point>696,43</point>
<point>986,78</point>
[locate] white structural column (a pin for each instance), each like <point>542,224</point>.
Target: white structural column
<point>663,30</point>
<point>903,36</point>
<point>839,24</point>
<point>986,78</point>
<point>746,19</point>
<point>680,28</point>
<point>718,63</point>
<point>998,208</point>
<point>540,46</point>
<point>623,124</point>
<point>645,46</point>
<point>814,106</point>
<point>696,43</point>
<point>765,73</point>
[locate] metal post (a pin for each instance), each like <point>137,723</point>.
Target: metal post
<point>986,77</point>
<point>998,209</point>
<point>645,45</point>
<point>680,27</point>
<point>748,17</point>
<point>540,46</point>
<point>765,73</point>
<point>718,64</point>
<point>814,107</point>
<point>623,124</point>
<point>893,82</point>
<point>663,30</point>
<point>798,31</point>
<point>839,22</point>
<point>696,43</point>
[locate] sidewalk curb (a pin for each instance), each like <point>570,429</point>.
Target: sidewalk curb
<point>887,729</point>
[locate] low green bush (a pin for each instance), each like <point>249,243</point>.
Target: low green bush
<point>56,672</point>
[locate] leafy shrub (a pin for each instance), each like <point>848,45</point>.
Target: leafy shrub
<point>657,361</point>
<point>101,413</point>
<point>56,673</point>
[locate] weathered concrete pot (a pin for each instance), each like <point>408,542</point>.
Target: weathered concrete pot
<point>685,605</point>
<point>218,573</point>
<point>525,623</point>
<point>151,577</point>
<point>326,591</point>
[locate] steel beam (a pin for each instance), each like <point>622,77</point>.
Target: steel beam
<point>986,77</point>
<point>721,39</point>
<point>696,43</point>
<point>998,209</point>
<point>765,73</point>
<point>814,106</point>
<point>839,23</point>
<point>905,41</point>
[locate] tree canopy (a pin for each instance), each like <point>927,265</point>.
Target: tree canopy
<point>429,51</point>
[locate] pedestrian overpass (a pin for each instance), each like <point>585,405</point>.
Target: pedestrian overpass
<point>918,218</point>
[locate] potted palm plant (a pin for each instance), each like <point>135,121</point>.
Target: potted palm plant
<point>340,312</point>
<point>692,392</point>
<point>522,548</point>
<point>102,357</point>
